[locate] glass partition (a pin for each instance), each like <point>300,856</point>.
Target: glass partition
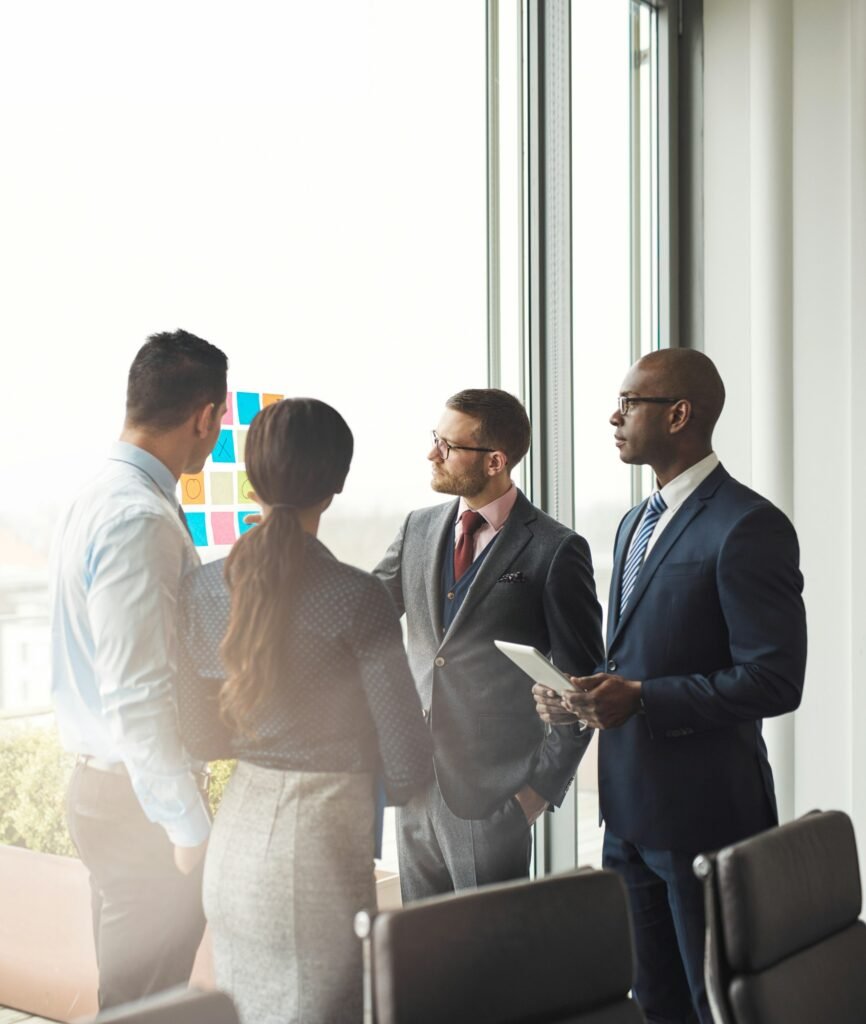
<point>301,184</point>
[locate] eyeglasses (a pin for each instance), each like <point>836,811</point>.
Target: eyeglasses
<point>445,447</point>
<point>627,401</point>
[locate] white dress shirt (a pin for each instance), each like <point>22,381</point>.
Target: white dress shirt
<point>119,555</point>
<point>675,493</point>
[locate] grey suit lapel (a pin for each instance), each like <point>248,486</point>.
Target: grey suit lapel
<point>437,544</point>
<point>512,539</point>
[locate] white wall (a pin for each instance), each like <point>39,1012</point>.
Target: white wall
<point>820,84</point>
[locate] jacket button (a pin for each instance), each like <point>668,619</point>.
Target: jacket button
<point>439,662</point>
<point>611,666</point>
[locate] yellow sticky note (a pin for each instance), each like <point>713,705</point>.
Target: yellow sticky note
<point>271,399</point>
<point>222,491</point>
<point>192,489</point>
<point>245,489</point>
<point>242,445</point>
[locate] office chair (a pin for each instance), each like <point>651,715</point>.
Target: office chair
<point>555,950</point>
<point>176,1006</point>
<point>783,941</point>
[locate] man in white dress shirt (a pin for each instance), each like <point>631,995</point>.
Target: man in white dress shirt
<point>706,637</point>
<point>135,807</point>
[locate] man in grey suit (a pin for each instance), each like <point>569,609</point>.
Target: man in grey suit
<point>489,566</point>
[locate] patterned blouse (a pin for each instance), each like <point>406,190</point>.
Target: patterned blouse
<point>347,700</point>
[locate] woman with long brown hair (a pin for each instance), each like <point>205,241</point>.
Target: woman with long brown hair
<point>293,663</point>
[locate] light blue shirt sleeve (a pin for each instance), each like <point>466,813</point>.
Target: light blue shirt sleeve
<point>132,578</point>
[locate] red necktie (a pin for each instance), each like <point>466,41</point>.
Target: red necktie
<point>464,549</point>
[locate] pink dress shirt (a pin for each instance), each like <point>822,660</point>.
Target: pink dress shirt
<point>494,515</point>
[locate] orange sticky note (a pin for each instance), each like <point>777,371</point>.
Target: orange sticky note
<point>270,399</point>
<point>192,489</point>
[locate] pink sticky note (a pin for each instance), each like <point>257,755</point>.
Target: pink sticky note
<point>228,417</point>
<point>223,527</point>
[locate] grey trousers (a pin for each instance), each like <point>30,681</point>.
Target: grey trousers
<point>289,864</point>
<point>147,916</point>
<point>440,853</point>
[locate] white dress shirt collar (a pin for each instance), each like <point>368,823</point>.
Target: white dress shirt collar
<point>683,486</point>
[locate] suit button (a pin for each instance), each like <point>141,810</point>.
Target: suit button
<point>611,666</point>
<point>439,662</point>
<point>450,595</point>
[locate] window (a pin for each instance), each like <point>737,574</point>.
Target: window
<point>616,280</point>
<point>301,184</point>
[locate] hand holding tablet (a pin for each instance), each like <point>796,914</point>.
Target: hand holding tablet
<point>535,665</point>
<point>541,671</point>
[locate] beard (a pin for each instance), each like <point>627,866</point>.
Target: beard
<point>465,484</point>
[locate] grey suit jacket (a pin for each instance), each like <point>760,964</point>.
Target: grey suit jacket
<point>534,587</point>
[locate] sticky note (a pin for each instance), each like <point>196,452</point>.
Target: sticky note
<point>222,526</point>
<point>228,415</point>
<point>248,405</point>
<point>222,489</point>
<point>192,489</point>
<point>271,399</point>
<point>197,526</point>
<point>224,450</point>
<point>242,445</point>
<point>242,526</point>
<point>245,489</point>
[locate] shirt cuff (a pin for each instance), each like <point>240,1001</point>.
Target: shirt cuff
<point>192,829</point>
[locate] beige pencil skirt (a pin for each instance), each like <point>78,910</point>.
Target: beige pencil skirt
<point>289,864</point>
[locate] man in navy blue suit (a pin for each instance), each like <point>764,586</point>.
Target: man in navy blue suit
<point>706,636</point>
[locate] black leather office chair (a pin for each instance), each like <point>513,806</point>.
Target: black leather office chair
<point>784,944</point>
<point>177,1006</point>
<point>556,950</point>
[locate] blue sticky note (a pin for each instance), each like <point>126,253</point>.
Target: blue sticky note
<point>242,526</point>
<point>224,449</point>
<point>197,527</point>
<point>248,405</point>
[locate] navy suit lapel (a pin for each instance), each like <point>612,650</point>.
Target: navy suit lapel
<point>438,544</point>
<point>690,508</point>
<point>624,536</point>
<point>508,544</point>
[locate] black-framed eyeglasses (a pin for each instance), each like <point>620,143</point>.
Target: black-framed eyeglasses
<point>445,447</point>
<point>625,402</point>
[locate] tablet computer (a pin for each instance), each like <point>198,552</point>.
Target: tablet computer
<point>535,665</point>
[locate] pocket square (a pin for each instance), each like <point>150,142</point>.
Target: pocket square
<point>512,577</point>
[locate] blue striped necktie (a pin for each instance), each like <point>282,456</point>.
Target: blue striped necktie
<point>655,507</point>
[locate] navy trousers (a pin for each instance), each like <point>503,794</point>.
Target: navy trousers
<point>667,906</point>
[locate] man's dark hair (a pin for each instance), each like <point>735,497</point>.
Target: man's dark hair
<point>502,420</point>
<point>173,374</point>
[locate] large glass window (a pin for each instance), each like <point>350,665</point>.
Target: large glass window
<point>301,184</point>
<point>615,279</point>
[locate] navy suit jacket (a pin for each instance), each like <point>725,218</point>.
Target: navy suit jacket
<point>715,629</point>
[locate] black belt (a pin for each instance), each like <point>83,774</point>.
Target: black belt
<point>202,777</point>
<point>114,767</point>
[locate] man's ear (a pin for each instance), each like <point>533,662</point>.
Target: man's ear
<point>681,415</point>
<point>203,419</point>
<point>498,464</point>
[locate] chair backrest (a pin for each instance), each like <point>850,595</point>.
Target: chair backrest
<point>556,950</point>
<point>784,944</point>
<point>177,1006</point>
